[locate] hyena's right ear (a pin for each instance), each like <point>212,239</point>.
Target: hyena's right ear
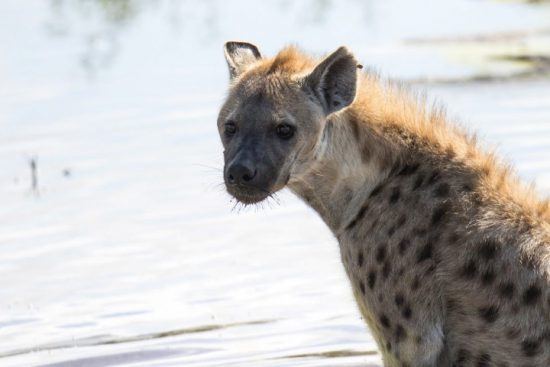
<point>239,55</point>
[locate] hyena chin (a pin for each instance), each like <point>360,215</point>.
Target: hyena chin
<point>448,254</point>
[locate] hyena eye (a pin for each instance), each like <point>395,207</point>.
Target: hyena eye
<point>285,131</point>
<point>229,128</point>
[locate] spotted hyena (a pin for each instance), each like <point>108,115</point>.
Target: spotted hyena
<point>447,253</point>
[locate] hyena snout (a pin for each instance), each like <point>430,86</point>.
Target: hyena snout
<point>247,181</point>
<point>241,173</point>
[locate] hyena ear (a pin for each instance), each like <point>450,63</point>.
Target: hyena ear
<point>239,55</point>
<point>334,81</point>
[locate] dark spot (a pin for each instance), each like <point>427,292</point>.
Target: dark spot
<point>488,277</point>
<point>336,103</point>
<point>530,347</point>
<point>395,194</point>
<point>384,321</point>
<point>484,360</point>
<point>418,182</point>
<point>355,129</point>
<point>489,314</point>
<point>438,214</point>
<point>434,177</point>
<point>403,245</point>
<point>388,346</point>
<point>362,287</point>
<point>453,238</point>
<point>351,224</point>
<point>451,304</point>
<point>442,190</point>
<point>488,250</point>
<point>376,190</point>
<point>512,333</point>
<point>371,279</point>
<point>469,270</point>
<point>400,222</point>
<point>407,312</point>
<point>380,254</point>
<point>409,169</point>
<point>365,153</point>
<point>360,259</point>
<point>425,253</point>
<point>531,295</point>
<point>415,283</point>
<point>529,262</point>
<point>395,169</point>
<point>399,299</point>
<point>476,199</point>
<point>358,217</point>
<point>348,195</point>
<point>462,357</point>
<point>430,269</point>
<point>258,97</point>
<point>420,232</point>
<point>386,269</point>
<point>400,333</point>
<point>450,153</point>
<point>374,224</point>
<point>467,187</point>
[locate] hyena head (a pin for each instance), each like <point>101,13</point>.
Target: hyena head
<point>272,121</point>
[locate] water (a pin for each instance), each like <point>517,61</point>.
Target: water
<point>129,252</point>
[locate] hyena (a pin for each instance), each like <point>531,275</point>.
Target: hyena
<point>448,254</point>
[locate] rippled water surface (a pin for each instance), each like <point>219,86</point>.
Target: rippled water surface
<point>128,252</point>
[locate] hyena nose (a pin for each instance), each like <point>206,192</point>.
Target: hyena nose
<point>241,173</point>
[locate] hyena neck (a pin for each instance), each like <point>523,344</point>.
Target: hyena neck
<point>350,161</point>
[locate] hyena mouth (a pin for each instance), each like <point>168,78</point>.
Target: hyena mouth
<point>247,195</point>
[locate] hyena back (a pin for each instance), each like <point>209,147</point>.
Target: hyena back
<point>447,253</point>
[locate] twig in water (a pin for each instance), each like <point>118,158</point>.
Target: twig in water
<point>33,162</point>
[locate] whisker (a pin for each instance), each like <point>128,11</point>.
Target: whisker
<point>209,169</point>
<point>213,186</point>
<point>235,204</point>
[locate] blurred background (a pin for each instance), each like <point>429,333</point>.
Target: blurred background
<point>119,245</point>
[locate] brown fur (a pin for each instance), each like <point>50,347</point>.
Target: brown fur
<point>448,253</point>
<point>393,112</point>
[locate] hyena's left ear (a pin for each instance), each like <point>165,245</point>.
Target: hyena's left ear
<point>239,55</point>
<point>334,81</point>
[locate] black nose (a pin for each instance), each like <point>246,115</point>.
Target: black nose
<point>241,173</point>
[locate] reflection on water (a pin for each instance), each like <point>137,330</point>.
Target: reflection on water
<point>107,340</point>
<point>117,13</point>
<point>333,354</point>
<point>124,358</point>
<point>106,20</point>
<point>131,253</point>
<point>496,54</point>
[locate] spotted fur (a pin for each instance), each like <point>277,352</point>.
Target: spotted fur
<point>447,252</point>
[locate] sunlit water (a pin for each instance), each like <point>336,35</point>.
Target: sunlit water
<point>129,252</point>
